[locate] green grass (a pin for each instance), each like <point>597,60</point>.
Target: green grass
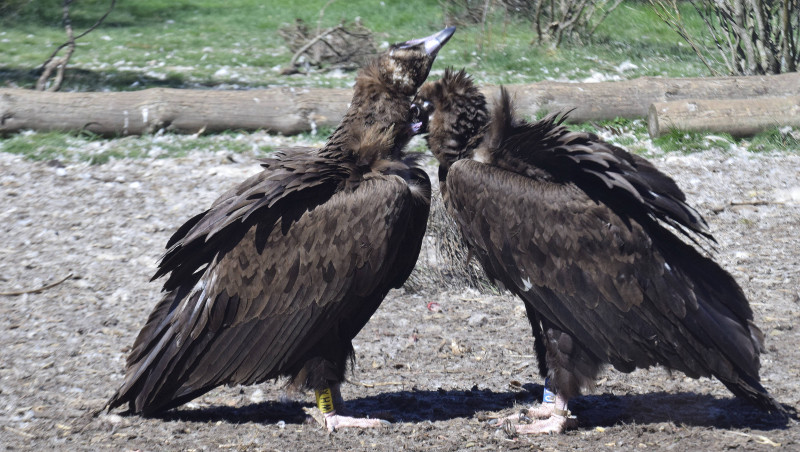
<point>688,142</point>
<point>38,146</point>
<point>154,43</point>
<point>777,138</point>
<point>631,135</point>
<point>212,43</point>
<point>782,140</point>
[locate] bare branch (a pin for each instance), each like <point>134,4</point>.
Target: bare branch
<point>671,15</point>
<point>59,64</point>
<point>606,12</point>
<point>321,14</point>
<point>786,40</point>
<point>99,21</point>
<point>751,36</point>
<point>311,42</point>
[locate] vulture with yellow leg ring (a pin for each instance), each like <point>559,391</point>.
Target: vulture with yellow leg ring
<point>278,276</point>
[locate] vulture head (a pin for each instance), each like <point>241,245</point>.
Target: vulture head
<point>382,99</point>
<point>407,64</point>
<point>456,116</point>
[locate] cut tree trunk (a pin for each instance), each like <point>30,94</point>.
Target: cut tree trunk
<point>738,117</point>
<point>280,110</point>
<point>631,99</point>
<point>294,110</point>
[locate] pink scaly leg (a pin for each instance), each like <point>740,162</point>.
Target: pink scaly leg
<point>336,418</point>
<point>553,418</point>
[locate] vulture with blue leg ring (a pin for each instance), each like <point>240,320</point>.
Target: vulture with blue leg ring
<point>591,238</point>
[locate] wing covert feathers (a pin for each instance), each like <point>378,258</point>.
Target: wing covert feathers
<point>625,181</point>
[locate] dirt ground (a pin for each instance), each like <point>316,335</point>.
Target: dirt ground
<point>436,371</point>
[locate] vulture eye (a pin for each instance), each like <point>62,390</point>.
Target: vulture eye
<point>415,113</point>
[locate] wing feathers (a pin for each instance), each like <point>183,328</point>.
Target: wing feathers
<point>255,316</point>
<point>298,183</point>
<point>631,183</point>
<point>631,296</point>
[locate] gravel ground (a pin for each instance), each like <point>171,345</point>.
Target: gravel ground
<point>437,371</point>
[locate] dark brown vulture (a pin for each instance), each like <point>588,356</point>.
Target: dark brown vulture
<point>576,228</point>
<point>281,273</point>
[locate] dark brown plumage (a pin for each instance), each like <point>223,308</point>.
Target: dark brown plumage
<point>576,228</point>
<point>281,273</point>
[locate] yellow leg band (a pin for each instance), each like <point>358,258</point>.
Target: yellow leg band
<point>324,400</point>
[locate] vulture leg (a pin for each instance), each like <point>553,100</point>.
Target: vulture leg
<point>545,410</point>
<point>541,411</point>
<point>550,417</point>
<point>553,418</point>
<point>332,406</point>
<point>570,367</point>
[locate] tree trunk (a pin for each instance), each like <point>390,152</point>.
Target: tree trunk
<point>631,99</point>
<point>294,110</point>
<point>282,110</point>
<point>738,117</point>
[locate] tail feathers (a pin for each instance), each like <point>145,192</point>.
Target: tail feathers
<point>751,390</point>
<point>155,388</point>
<point>137,405</point>
<point>115,401</point>
<point>150,383</point>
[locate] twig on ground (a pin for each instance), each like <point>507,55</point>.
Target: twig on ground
<point>760,439</point>
<point>382,383</point>
<point>40,289</point>
<point>746,203</point>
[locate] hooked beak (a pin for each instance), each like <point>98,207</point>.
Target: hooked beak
<point>433,42</point>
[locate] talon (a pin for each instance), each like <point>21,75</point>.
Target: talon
<point>553,417</point>
<point>509,429</point>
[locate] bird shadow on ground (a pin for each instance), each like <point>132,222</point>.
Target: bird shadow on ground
<point>401,406</point>
<point>683,408</point>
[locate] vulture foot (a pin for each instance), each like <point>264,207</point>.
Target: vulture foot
<point>553,424</point>
<point>551,417</point>
<point>335,418</point>
<point>335,421</point>
<point>526,416</point>
<point>543,411</point>
<point>536,420</point>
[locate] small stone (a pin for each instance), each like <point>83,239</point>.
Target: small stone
<point>113,418</point>
<point>477,319</point>
<point>257,396</point>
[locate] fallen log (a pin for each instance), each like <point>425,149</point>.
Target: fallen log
<point>631,99</point>
<point>738,117</point>
<point>280,110</point>
<point>295,110</point>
